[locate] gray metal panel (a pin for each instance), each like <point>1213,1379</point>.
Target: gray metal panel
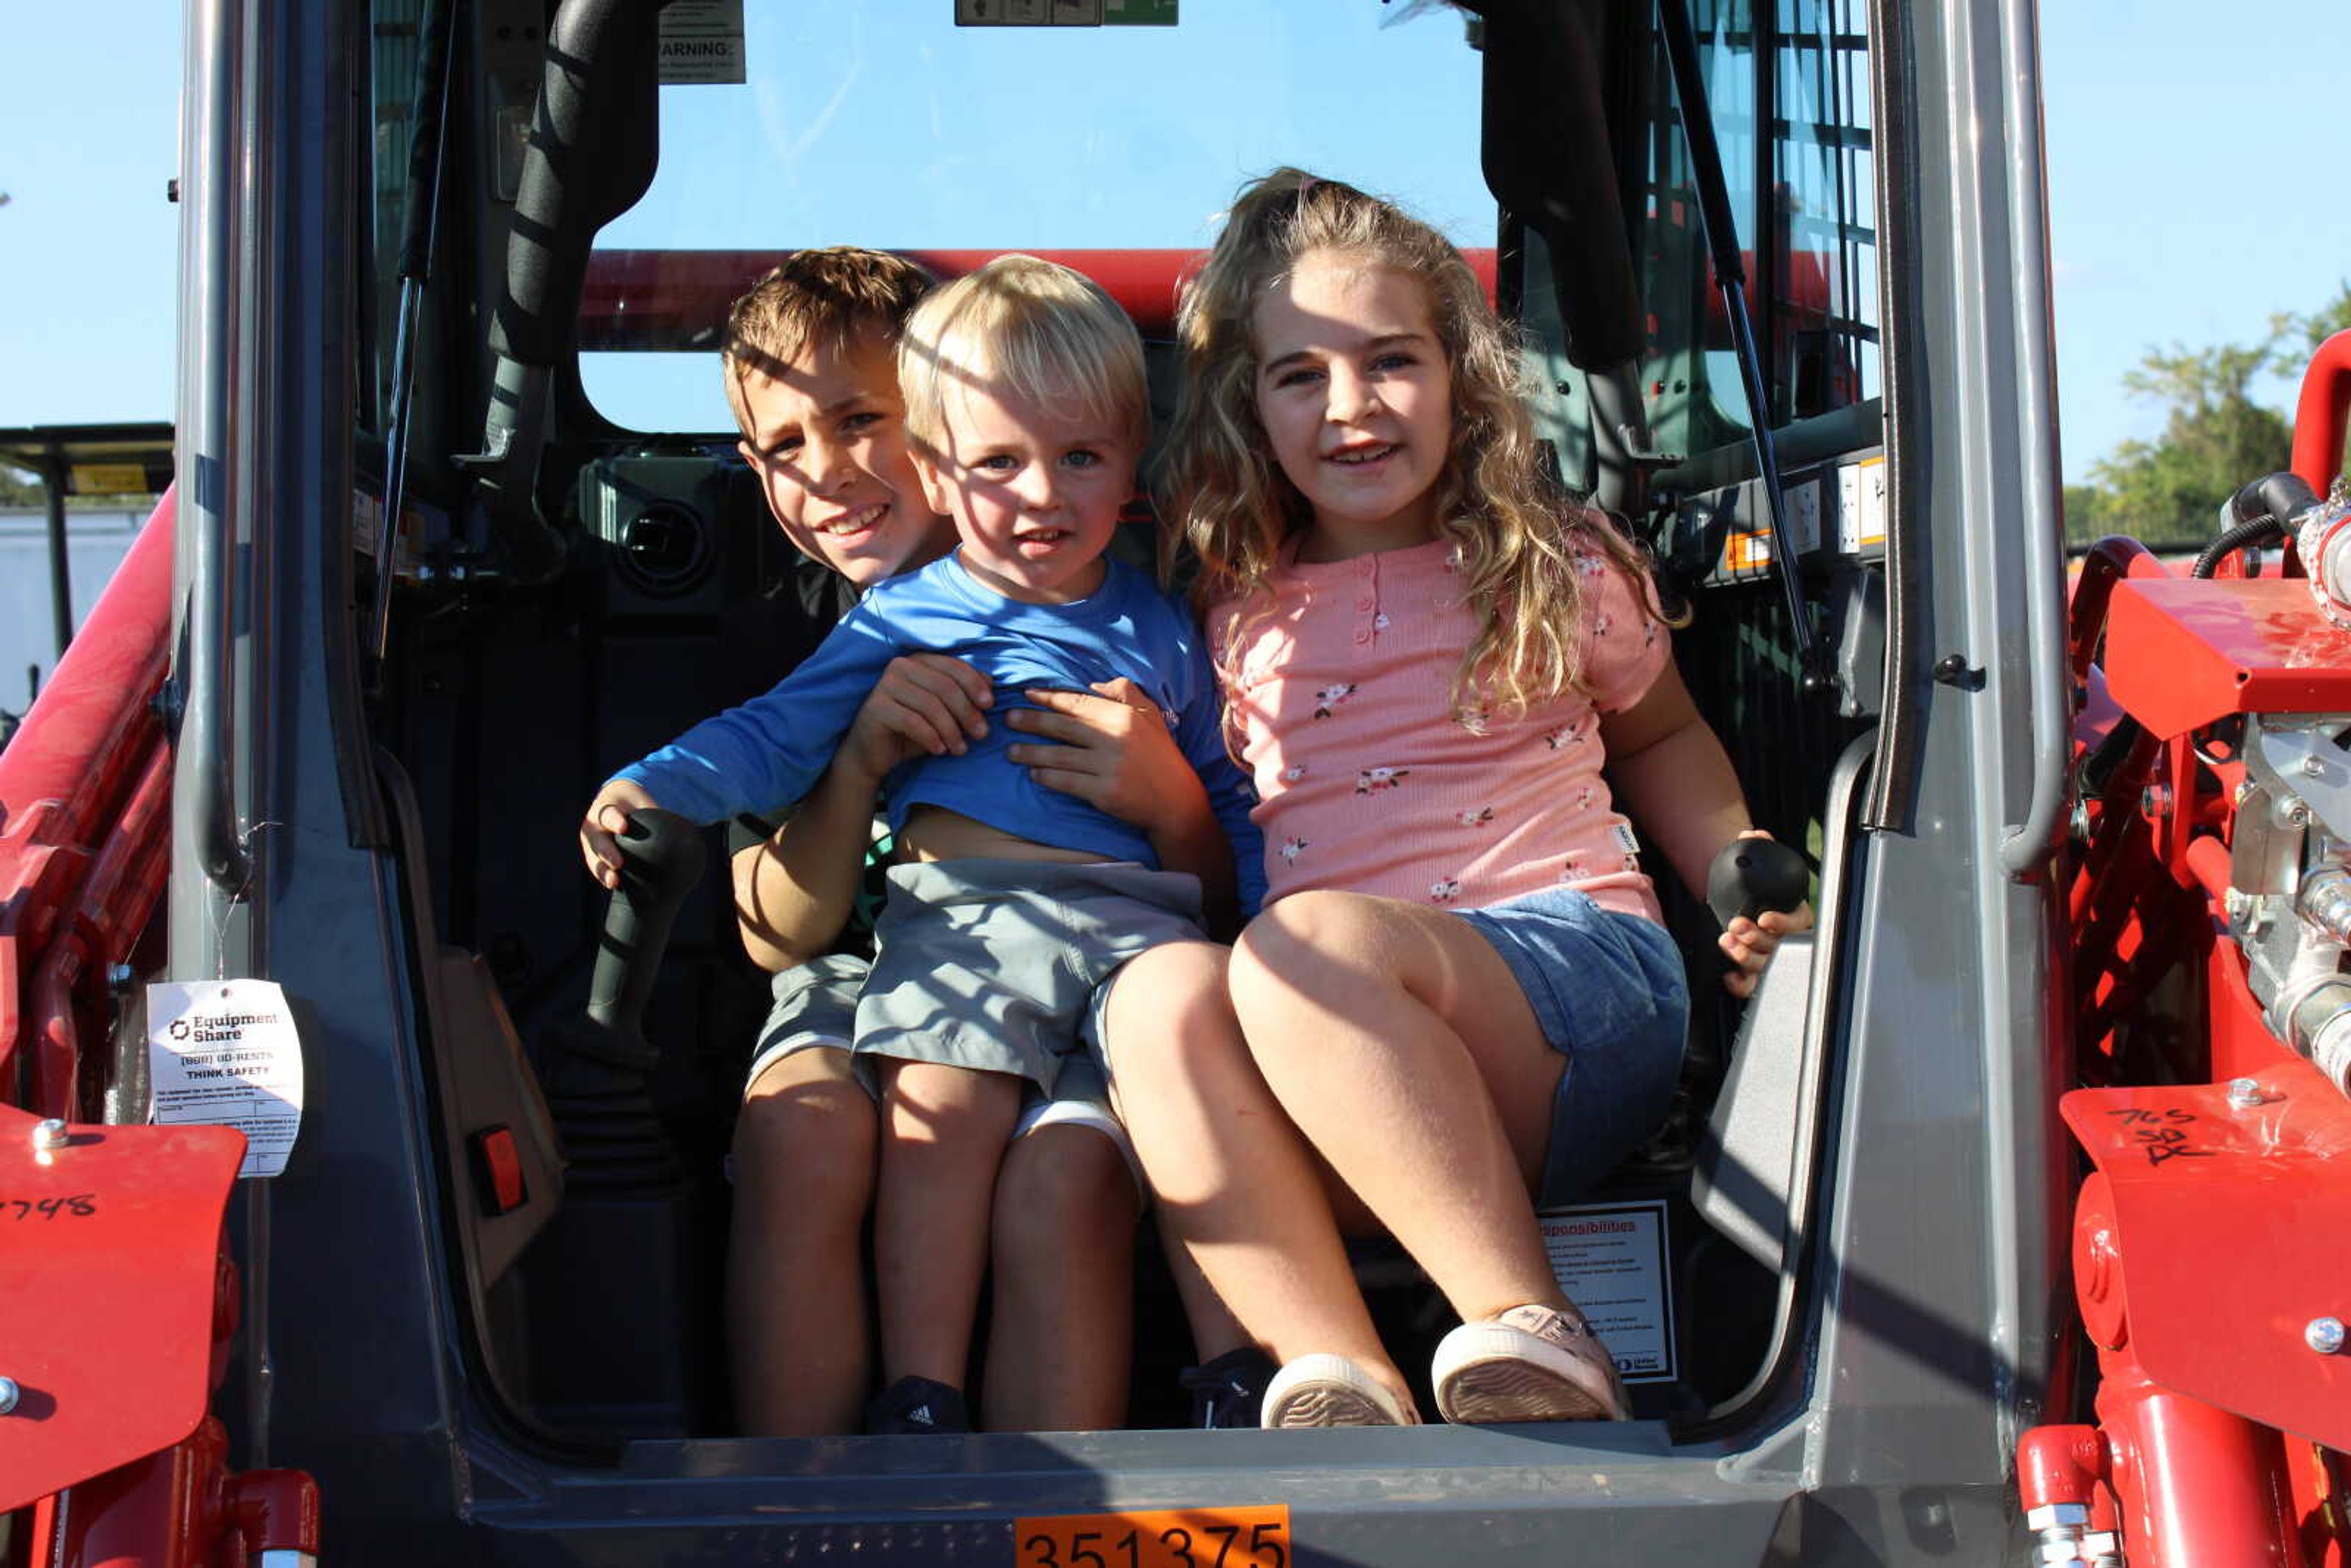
<point>344,1364</point>
<point>1392,1498</point>
<point>1746,1155</point>
<point>1944,1259</point>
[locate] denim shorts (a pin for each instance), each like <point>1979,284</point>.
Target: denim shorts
<point>1611,995</point>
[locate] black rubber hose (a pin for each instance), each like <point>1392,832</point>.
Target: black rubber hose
<point>2262,510</point>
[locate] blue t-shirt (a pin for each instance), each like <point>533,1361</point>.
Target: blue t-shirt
<point>760,758</point>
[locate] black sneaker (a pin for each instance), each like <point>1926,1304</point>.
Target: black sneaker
<point>917,1405</point>
<point>1230,1389</point>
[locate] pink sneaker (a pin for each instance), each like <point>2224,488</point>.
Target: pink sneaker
<point>1531,1364</point>
<point>1324,1390</point>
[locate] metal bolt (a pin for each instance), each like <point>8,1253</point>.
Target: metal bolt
<point>2312,767</point>
<point>2235,904</point>
<point>49,1133</point>
<point>9,1394</point>
<point>2325,1335</point>
<point>2245,1094</point>
<point>2297,815</point>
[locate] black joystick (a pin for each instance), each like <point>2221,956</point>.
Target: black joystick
<point>1752,876</point>
<point>599,1076</point>
<point>663,857</point>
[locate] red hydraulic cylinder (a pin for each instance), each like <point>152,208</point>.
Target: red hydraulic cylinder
<point>2200,1488</point>
<point>2320,414</point>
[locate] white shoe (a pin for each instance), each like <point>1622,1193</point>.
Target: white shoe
<point>1531,1364</point>
<point>1332,1391</point>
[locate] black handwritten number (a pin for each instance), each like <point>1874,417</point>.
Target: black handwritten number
<point>2163,1144</point>
<point>1261,1543</point>
<point>1133,1553</point>
<point>1042,1545</point>
<point>23,1208</point>
<point>2134,1116</point>
<point>85,1204</point>
<point>1080,1553</point>
<point>1225,1545</point>
<point>50,1206</point>
<point>1179,1542</point>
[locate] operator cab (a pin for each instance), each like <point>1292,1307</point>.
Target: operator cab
<point>578,565</point>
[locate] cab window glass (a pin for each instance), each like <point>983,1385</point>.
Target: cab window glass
<point>886,124</point>
<point>1788,88</point>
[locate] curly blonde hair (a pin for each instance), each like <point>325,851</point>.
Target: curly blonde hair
<point>1514,530</point>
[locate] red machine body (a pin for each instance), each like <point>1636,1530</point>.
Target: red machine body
<point>120,1296</point>
<point>2207,1255</point>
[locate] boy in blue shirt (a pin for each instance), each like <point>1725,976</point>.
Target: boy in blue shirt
<point>1027,410</point>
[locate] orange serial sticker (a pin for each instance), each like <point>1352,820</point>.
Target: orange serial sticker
<point>1176,1538</point>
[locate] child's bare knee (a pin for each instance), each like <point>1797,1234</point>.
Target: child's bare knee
<point>1307,942</point>
<point>1062,1186</point>
<point>807,1123</point>
<point>931,1104</point>
<point>813,1143</point>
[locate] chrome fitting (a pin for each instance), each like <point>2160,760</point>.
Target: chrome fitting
<point>9,1394</point>
<point>49,1133</point>
<point>2245,1094</point>
<point>2325,1335</point>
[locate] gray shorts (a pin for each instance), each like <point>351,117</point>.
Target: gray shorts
<point>815,1008</point>
<point>994,964</point>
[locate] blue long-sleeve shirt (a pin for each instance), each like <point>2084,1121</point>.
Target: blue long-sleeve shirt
<point>763,756</point>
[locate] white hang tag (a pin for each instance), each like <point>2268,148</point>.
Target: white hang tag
<point>223,1053</point>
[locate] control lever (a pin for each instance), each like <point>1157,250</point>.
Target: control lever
<point>598,1077</point>
<point>663,857</point>
<point>1751,875</point>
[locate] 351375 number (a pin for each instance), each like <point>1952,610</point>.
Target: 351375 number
<point>1174,1538</point>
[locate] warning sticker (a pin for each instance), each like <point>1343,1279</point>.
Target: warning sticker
<point>109,479</point>
<point>1610,1259</point>
<point>1861,505</point>
<point>223,1053</point>
<point>701,43</point>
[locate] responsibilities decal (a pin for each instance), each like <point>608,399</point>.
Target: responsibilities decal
<point>223,1053</point>
<point>1610,1259</point>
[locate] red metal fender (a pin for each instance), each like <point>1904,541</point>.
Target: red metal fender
<point>2181,653</point>
<point>2230,1219</point>
<point>111,1294</point>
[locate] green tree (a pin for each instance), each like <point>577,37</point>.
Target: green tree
<point>2168,492</point>
<point>2293,336</point>
<point>18,488</point>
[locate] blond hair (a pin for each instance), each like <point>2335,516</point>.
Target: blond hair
<point>822,298</point>
<point>1030,327</point>
<point>1514,531</point>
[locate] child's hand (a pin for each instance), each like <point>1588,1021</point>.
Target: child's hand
<point>1750,943</point>
<point>607,814</point>
<point>1115,752</point>
<point>924,704</point>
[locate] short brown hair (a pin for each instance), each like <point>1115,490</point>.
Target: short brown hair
<point>823,297</point>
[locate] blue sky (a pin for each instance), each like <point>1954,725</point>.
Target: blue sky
<point>2195,174</point>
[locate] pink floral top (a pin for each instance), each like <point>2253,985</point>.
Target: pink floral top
<point>1339,693</point>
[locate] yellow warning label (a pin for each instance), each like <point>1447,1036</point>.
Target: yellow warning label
<point>109,479</point>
